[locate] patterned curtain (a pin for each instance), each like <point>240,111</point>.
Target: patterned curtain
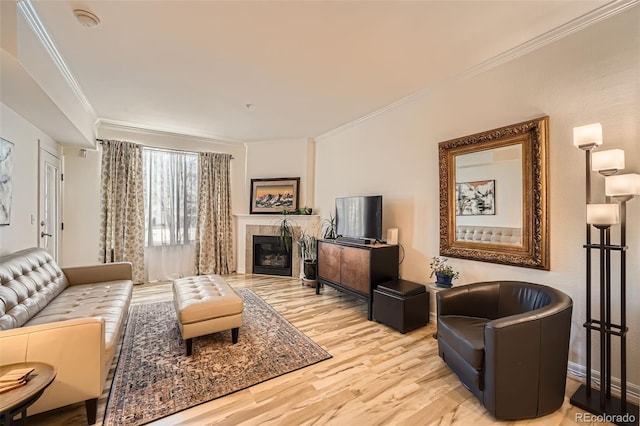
<point>122,206</point>
<point>214,245</point>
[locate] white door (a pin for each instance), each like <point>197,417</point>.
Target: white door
<point>49,206</point>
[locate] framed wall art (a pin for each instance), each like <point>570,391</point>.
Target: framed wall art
<point>275,195</point>
<point>6,170</point>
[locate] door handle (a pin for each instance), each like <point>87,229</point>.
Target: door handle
<point>44,234</point>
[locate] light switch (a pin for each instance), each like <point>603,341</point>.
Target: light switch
<point>33,219</point>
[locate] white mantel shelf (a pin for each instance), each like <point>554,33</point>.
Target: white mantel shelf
<point>310,224</point>
<point>273,219</point>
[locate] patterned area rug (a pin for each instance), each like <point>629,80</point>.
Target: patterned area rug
<point>154,378</point>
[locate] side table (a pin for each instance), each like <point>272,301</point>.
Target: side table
<point>433,287</point>
<point>18,400</point>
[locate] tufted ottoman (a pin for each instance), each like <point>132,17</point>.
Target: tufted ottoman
<point>206,304</point>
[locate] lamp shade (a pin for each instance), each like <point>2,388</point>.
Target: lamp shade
<point>590,134</point>
<point>603,214</point>
<point>612,159</point>
<point>618,185</point>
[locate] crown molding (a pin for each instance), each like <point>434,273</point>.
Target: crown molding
<point>604,12</point>
<point>31,16</point>
<point>35,23</point>
<point>105,123</point>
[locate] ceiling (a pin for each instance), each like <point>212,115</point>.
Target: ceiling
<point>264,70</point>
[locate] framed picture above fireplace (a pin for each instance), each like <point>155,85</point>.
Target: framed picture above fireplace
<point>274,195</point>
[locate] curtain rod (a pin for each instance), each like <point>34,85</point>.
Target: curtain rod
<point>168,149</point>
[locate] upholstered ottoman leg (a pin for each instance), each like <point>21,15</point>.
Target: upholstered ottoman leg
<point>234,334</point>
<point>189,343</point>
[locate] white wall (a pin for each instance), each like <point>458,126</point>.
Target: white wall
<point>23,230</point>
<point>82,187</point>
<point>283,158</point>
<point>590,76</point>
<point>81,214</point>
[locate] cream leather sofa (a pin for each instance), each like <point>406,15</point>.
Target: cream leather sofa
<point>489,234</point>
<point>70,318</point>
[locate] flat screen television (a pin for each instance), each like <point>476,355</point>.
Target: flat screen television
<point>359,217</point>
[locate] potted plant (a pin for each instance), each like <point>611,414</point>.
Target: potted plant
<point>308,248</point>
<point>445,274</point>
<point>285,230</point>
<point>302,211</point>
<point>329,228</point>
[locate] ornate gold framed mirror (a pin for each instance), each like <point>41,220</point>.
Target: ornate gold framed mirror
<point>493,195</point>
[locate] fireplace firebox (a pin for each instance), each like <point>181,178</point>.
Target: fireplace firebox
<point>270,256</point>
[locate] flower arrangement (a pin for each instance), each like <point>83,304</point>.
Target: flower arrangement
<point>439,266</point>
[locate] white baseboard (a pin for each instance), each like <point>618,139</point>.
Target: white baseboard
<point>579,372</point>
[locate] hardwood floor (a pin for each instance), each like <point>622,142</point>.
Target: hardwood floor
<point>376,376</point>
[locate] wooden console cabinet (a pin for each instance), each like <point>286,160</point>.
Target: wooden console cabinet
<point>356,269</point>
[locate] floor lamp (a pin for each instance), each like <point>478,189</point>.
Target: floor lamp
<point>619,189</point>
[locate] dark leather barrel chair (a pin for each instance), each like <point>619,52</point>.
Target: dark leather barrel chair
<point>508,342</point>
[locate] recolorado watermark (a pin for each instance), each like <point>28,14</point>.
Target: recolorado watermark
<point>602,418</point>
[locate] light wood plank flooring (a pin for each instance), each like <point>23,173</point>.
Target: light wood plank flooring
<point>377,376</point>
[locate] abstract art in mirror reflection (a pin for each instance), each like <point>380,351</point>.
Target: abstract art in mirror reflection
<point>475,198</point>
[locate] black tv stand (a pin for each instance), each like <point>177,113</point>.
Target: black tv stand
<point>354,240</point>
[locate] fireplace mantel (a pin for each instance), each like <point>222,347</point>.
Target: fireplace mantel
<point>244,252</point>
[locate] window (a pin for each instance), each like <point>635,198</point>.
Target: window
<point>170,196</point>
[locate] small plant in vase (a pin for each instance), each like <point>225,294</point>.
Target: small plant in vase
<point>308,246</point>
<point>445,274</point>
<point>329,228</point>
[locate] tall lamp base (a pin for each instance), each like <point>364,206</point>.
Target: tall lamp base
<point>612,409</point>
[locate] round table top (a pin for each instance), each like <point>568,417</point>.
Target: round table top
<point>435,286</point>
<point>37,381</point>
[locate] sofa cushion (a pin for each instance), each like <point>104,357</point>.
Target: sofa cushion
<point>472,378</point>
<point>465,335</point>
<point>29,280</point>
<point>109,300</point>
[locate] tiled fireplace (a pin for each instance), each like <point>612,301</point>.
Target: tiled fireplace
<point>271,256</point>
<point>248,226</point>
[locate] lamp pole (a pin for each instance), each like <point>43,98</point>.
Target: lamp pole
<point>587,153</point>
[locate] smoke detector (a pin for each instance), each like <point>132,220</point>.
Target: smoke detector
<point>86,18</point>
